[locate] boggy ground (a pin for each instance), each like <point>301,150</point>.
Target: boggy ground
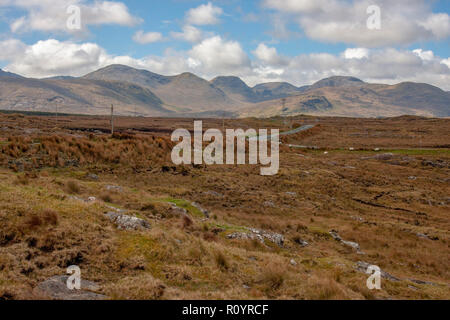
<point>393,202</point>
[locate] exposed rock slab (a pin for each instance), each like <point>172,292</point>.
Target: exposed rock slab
<point>363,266</point>
<point>125,222</point>
<point>56,288</point>
<point>260,235</point>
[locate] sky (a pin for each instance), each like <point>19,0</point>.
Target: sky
<point>298,41</point>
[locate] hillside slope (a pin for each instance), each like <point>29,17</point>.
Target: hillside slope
<point>80,96</point>
<point>363,100</point>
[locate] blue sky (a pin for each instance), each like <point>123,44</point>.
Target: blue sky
<point>299,41</point>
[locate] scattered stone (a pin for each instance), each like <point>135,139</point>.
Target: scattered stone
<point>363,266</point>
<point>354,245</point>
<point>56,288</point>
<point>125,222</point>
<point>177,210</point>
<point>246,287</point>
<point>92,176</point>
<point>259,235</point>
<point>293,262</point>
<point>292,194</point>
<point>114,188</point>
<point>435,164</point>
<point>202,210</point>
<point>269,204</point>
<point>351,244</point>
<point>271,236</point>
<point>301,242</point>
<point>423,282</point>
<point>89,200</point>
<point>376,149</point>
<point>245,236</point>
<point>214,194</point>
<point>425,236</point>
<point>412,178</point>
<point>335,236</point>
<point>351,149</point>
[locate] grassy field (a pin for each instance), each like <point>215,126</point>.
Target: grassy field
<point>395,207</point>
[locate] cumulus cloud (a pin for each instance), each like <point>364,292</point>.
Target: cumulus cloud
<point>189,34</point>
<point>52,16</point>
<point>424,55</point>
<point>205,14</point>
<point>402,21</point>
<point>268,55</point>
<point>356,53</point>
<point>446,62</point>
<point>216,56</point>
<point>149,37</point>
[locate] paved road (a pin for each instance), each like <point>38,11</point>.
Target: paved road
<point>287,133</point>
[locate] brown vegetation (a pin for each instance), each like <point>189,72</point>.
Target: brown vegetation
<point>396,208</point>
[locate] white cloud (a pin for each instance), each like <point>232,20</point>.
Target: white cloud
<point>334,21</point>
<point>52,16</point>
<point>356,53</point>
<point>268,55</point>
<point>149,37</point>
<point>424,55</point>
<point>216,56</point>
<point>204,15</point>
<point>189,34</point>
<point>446,62</point>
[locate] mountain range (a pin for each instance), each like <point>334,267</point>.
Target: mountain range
<point>141,92</point>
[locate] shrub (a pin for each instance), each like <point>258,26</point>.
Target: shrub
<point>221,261</point>
<point>273,278</point>
<point>187,222</point>
<point>73,187</point>
<point>50,217</point>
<point>107,197</point>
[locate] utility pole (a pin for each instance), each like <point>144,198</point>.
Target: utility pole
<point>112,120</point>
<point>56,116</point>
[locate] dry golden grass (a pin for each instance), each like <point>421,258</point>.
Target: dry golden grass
<point>43,229</point>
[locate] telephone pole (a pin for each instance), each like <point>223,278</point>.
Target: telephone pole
<point>112,120</point>
<point>56,116</point>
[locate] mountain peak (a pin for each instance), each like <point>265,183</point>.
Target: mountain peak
<point>338,81</point>
<point>229,81</point>
<point>235,87</point>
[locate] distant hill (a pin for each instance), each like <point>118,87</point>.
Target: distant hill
<point>80,96</point>
<point>363,100</point>
<point>240,91</point>
<point>183,93</point>
<point>8,74</point>
<point>236,89</point>
<point>187,95</point>
<point>337,81</point>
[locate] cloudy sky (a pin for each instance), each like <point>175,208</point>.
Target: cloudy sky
<point>299,41</point>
